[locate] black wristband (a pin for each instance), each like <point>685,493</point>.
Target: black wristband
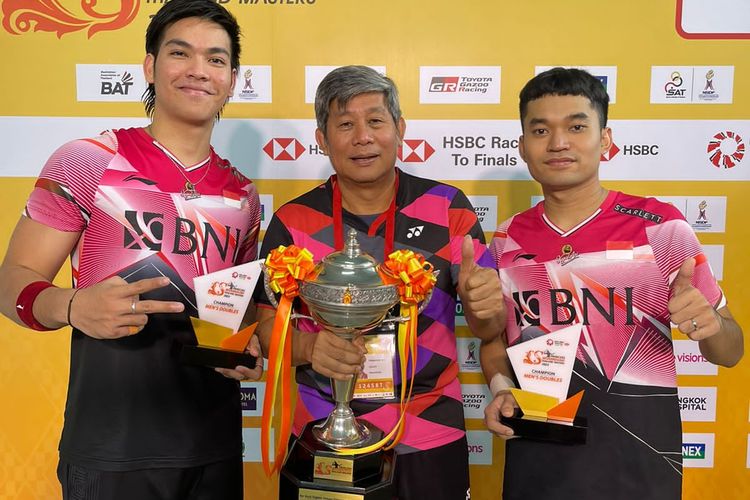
<point>70,305</point>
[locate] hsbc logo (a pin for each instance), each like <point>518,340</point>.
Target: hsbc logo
<point>415,151</point>
<point>284,149</point>
<point>610,153</point>
<point>631,150</point>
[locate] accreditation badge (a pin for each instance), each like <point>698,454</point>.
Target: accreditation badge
<point>376,380</point>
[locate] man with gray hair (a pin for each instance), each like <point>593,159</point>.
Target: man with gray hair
<point>360,128</point>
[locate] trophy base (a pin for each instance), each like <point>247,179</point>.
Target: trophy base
<point>215,358</point>
<point>547,430</point>
<point>313,471</point>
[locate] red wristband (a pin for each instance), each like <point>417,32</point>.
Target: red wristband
<point>25,304</point>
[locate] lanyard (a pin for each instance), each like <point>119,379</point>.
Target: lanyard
<point>389,217</point>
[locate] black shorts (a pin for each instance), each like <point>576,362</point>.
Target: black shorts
<point>215,481</point>
<point>438,474</point>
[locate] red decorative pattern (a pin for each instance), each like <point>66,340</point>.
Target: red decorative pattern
<point>22,16</point>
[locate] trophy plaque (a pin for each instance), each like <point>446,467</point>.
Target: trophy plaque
<point>222,299</point>
<point>349,294</point>
<point>543,367</point>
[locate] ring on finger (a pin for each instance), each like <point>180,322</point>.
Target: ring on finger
<point>132,305</point>
<point>695,324</point>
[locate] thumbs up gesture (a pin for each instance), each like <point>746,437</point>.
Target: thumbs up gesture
<point>688,308</point>
<point>481,294</point>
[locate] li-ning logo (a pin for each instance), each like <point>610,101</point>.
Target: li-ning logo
<point>414,231</point>
<point>284,148</point>
<point>415,151</point>
<point>146,230</point>
<point>21,17</point>
<point>568,255</point>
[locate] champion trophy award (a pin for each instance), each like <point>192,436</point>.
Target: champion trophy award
<point>222,298</point>
<point>543,367</point>
<point>348,293</point>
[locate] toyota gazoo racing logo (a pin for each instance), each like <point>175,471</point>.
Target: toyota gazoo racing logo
<point>444,84</point>
<point>284,148</point>
<point>415,151</point>
<point>725,149</point>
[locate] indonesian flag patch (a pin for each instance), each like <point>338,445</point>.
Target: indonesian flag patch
<point>232,199</point>
<point>620,250</point>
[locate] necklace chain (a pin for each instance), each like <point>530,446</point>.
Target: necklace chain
<point>188,191</point>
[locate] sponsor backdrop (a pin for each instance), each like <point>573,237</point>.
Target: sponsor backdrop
<point>680,115</point>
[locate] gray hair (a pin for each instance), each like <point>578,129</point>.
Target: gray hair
<point>344,83</point>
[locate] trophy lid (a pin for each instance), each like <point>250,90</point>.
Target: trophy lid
<point>348,267</point>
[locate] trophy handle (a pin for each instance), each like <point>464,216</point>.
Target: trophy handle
<point>302,316</point>
<point>267,287</point>
<point>404,319</point>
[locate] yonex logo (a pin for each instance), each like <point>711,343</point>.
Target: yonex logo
<point>414,231</point>
<point>415,151</point>
<point>694,451</point>
<point>284,148</point>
